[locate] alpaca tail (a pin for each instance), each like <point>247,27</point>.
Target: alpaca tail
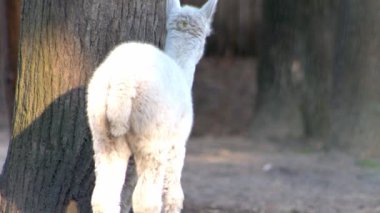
<point>109,105</point>
<point>119,106</point>
<point>97,92</point>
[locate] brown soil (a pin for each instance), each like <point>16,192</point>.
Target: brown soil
<point>235,174</point>
<point>264,175</point>
<point>241,175</point>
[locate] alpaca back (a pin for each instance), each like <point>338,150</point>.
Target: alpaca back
<point>145,88</point>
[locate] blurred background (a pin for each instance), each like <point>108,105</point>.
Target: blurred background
<point>290,74</point>
<point>298,69</point>
<point>293,69</point>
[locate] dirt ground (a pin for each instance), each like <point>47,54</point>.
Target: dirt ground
<point>230,175</point>
<point>241,175</point>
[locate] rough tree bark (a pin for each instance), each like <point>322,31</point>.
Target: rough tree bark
<point>49,161</point>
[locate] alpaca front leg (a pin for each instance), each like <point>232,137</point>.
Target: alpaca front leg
<point>173,193</point>
<point>111,161</point>
<point>150,165</point>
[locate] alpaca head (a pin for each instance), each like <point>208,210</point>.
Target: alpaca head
<point>187,30</point>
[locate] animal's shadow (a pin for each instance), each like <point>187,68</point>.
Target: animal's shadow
<point>50,162</point>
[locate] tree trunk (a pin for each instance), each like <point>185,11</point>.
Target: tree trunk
<point>49,161</point>
<point>296,62</point>
<point>324,56</point>
<point>356,96</point>
<point>316,42</point>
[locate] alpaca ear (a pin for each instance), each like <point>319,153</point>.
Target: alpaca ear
<point>209,8</point>
<point>171,6</point>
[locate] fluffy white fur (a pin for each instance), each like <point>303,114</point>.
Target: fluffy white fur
<point>139,103</point>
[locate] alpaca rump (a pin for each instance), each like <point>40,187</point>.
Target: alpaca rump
<point>139,103</point>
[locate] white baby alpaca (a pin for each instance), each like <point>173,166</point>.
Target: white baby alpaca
<point>139,103</point>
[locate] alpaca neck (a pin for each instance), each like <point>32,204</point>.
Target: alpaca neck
<point>186,52</point>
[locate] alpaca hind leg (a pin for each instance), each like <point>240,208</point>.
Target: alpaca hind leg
<point>150,165</point>
<point>173,194</point>
<point>129,186</point>
<point>111,159</point>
